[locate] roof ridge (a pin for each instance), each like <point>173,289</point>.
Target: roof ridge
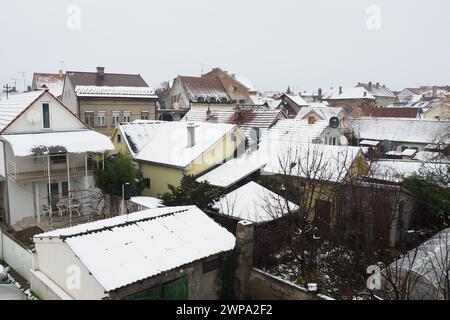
<point>126,223</point>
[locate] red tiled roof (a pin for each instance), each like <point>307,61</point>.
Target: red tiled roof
<point>390,112</point>
<point>108,79</point>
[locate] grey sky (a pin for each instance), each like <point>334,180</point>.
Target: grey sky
<point>276,43</point>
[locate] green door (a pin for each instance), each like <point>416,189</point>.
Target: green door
<point>176,290</point>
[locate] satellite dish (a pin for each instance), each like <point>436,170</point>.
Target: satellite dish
<point>33,116</point>
<point>343,140</point>
<point>334,122</point>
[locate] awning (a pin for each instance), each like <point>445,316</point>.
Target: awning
<point>36,144</point>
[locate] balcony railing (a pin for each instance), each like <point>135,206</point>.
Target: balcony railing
<point>38,169</point>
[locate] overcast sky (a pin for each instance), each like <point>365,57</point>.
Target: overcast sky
<point>276,43</point>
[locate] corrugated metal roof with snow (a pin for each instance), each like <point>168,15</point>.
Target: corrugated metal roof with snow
<point>126,249</point>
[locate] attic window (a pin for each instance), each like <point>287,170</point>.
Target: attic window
<point>213,100</point>
<point>46,115</point>
<point>223,100</point>
<point>200,99</point>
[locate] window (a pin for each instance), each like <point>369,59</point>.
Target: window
<point>65,188</point>
<point>58,159</point>
<point>89,118</point>
<point>200,99</point>
<point>46,115</point>
<point>115,117</point>
<point>101,118</point>
<point>145,115</point>
<point>223,100</point>
<point>126,116</point>
<point>147,183</point>
<point>213,100</point>
<point>119,138</point>
<point>334,141</point>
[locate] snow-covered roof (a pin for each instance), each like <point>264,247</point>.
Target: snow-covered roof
<point>15,104</point>
<point>137,134</point>
<point>351,93</point>
<point>80,141</point>
<point>130,248</point>
<point>245,81</point>
<point>54,82</point>
<point>409,152</point>
<point>253,202</point>
<point>169,142</point>
<point>324,112</point>
<point>377,90</point>
<point>430,156</point>
<point>313,161</point>
<point>298,100</point>
<point>233,170</point>
<point>372,143</point>
<point>397,170</point>
<point>147,202</point>
<point>115,92</point>
<point>402,130</point>
<point>298,130</point>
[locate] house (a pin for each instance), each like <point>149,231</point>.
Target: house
<point>167,151</point>
<point>170,253</point>
<point>252,121</point>
<point>398,134</point>
<point>410,95</point>
<point>103,100</point>
<point>305,131</point>
<point>216,87</point>
<point>441,111</point>
<point>54,82</point>
<point>383,96</point>
<point>47,160</point>
<point>293,103</point>
<point>321,112</point>
<point>348,98</point>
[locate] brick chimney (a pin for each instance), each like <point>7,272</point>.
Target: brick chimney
<point>319,93</point>
<point>434,92</point>
<point>190,135</point>
<point>61,73</point>
<point>370,85</point>
<point>378,84</point>
<point>100,71</point>
<point>340,90</point>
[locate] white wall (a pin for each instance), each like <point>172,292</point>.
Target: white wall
<point>60,118</point>
<point>20,201</point>
<point>20,259</point>
<point>69,98</point>
<point>58,270</point>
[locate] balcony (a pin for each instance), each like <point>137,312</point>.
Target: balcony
<point>44,168</point>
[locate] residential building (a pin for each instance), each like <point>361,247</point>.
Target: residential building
<point>293,103</point>
<point>383,96</point>
<point>167,151</point>
<point>321,112</point>
<point>47,161</point>
<point>214,87</point>
<point>103,100</point>
<point>440,111</point>
<point>170,253</point>
<point>252,121</point>
<point>54,82</point>
<point>388,112</point>
<point>348,98</point>
<point>398,134</point>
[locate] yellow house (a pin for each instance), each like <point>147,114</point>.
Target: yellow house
<point>441,112</point>
<point>167,151</point>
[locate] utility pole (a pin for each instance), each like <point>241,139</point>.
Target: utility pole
<point>6,89</point>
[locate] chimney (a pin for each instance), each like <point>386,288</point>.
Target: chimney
<point>208,114</point>
<point>190,135</point>
<point>319,93</point>
<point>434,92</point>
<point>370,85</point>
<point>340,90</point>
<point>61,73</point>
<point>100,71</point>
<point>378,84</point>
<point>365,93</point>
<point>311,120</point>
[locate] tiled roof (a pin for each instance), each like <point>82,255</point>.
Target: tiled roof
<point>203,87</point>
<point>377,90</point>
<point>370,111</point>
<point>108,79</point>
<point>105,91</point>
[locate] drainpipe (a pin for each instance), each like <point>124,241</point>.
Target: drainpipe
<point>7,211</point>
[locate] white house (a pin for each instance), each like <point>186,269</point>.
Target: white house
<point>47,160</point>
<point>164,253</point>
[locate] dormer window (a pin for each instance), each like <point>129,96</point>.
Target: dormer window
<point>223,100</point>
<point>46,115</point>
<point>213,100</point>
<point>200,99</point>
